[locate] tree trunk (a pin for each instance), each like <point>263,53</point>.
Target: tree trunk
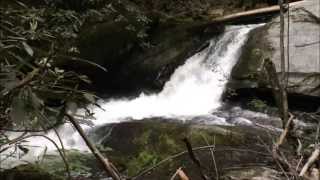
<point>283,89</point>
<point>274,81</point>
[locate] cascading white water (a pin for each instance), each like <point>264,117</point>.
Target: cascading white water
<point>194,89</point>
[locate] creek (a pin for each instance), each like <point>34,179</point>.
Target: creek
<point>193,93</point>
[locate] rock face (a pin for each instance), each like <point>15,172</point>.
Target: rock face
<point>141,144</point>
<point>253,173</point>
<point>136,145</point>
<point>139,50</point>
<point>304,61</point>
<point>33,172</point>
<point>139,53</point>
<point>142,55</point>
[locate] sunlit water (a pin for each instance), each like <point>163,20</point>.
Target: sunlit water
<point>194,90</point>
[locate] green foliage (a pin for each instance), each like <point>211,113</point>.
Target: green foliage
<point>33,90</point>
<point>143,160</point>
<point>150,152</point>
<point>258,105</point>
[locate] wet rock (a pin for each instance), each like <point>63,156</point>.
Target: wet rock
<point>171,46</point>
<point>304,66</point>
<point>176,30</point>
<point>82,165</point>
<point>253,173</point>
<point>141,144</point>
<point>134,62</point>
<point>136,145</point>
<point>28,172</point>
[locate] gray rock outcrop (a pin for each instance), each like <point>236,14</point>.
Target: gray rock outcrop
<point>304,49</point>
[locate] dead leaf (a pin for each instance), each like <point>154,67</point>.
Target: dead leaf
<point>28,48</point>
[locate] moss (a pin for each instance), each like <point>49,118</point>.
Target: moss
<point>139,145</point>
<point>144,159</point>
<point>258,105</point>
<point>214,135</point>
<point>29,172</point>
<point>167,142</point>
<point>156,142</point>
<point>249,72</point>
<point>80,164</point>
<point>143,138</point>
<point>251,58</point>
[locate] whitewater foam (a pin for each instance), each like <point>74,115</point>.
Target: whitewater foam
<point>194,89</point>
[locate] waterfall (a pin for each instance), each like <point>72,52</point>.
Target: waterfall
<point>194,89</point>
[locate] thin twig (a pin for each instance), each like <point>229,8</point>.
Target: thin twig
<point>284,132</point>
<point>195,159</point>
<point>212,155</point>
<point>145,171</point>
<point>314,156</point>
<point>54,143</point>
<point>277,162</point>
<point>299,162</point>
<point>61,142</point>
<point>23,82</point>
<point>175,174</point>
<point>14,140</point>
<point>72,58</point>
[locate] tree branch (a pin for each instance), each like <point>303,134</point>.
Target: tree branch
<point>107,165</point>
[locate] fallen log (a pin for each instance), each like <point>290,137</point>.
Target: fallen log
<point>255,12</point>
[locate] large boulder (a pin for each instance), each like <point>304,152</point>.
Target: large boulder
<point>304,62</point>
<point>137,145</point>
<point>134,146</point>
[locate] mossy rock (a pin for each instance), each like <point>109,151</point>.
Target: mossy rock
<point>81,164</point>
<point>28,172</point>
<point>51,167</point>
<point>141,144</point>
<point>137,145</point>
<point>248,71</point>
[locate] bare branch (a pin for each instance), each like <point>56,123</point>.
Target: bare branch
<point>107,165</point>
<point>284,132</point>
<point>195,159</point>
<point>314,156</point>
<point>212,156</point>
<point>54,143</point>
